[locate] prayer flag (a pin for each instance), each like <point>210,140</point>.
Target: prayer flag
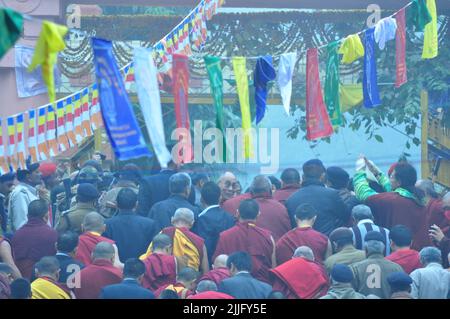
<point>400,50</point>
<point>370,83</point>
<point>3,162</point>
<point>51,132</point>
<point>63,141</point>
<point>264,72</point>
<point>32,138</point>
<point>20,142</point>
<point>77,119</point>
<point>11,27</point>
<point>85,118</point>
<point>68,110</point>
<point>430,36</point>
<point>285,73</point>
<point>332,85</point>
<point>42,142</point>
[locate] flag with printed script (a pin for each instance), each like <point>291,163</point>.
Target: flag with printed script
<point>96,116</point>
<point>400,49</point>
<point>3,162</point>
<point>42,141</point>
<point>32,137</point>
<point>21,155</point>
<point>69,128</point>
<point>11,27</point>
<point>85,116</point>
<point>50,42</point>
<point>51,132</point>
<point>12,158</point>
<point>78,129</point>
<point>63,141</point>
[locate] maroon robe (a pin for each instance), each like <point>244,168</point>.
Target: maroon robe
<point>231,205</point>
<point>86,245</point>
<point>408,259</point>
<point>312,283</point>
<point>436,213</point>
<point>305,236</point>
<point>285,192</point>
<point>94,277</point>
<point>216,275</point>
<point>160,270</point>
<point>252,239</point>
<point>31,242</point>
<point>178,287</point>
<point>210,295</point>
<point>390,209</point>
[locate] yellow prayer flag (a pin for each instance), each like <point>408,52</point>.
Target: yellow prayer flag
<point>430,38</point>
<point>352,49</point>
<point>50,42</point>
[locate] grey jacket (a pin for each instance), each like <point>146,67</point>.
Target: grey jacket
<point>431,282</point>
<point>342,291</point>
<point>20,197</point>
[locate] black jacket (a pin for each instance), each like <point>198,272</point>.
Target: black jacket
<point>68,265</point>
<point>153,189</point>
<point>244,286</point>
<point>210,223</point>
<point>332,212</point>
<point>131,232</point>
<point>163,212</point>
<point>127,289</point>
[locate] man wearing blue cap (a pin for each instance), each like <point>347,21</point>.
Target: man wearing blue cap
<point>400,283</point>
<point>341,284</point>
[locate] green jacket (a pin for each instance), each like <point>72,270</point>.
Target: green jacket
<point>342,291</point>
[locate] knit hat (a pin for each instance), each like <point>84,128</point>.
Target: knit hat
<point>374,235</point>
<point>342,273</point>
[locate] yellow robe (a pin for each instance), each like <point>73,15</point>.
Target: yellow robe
<point>44,289</point>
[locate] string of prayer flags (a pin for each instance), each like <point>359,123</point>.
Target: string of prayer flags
<point>317,121</point>
<point>400,50</point>
<point>332,83</point>
<point>240,73</point>
<point>385,30</point>
<point>50,42</point>
<point>11,27</point>
<point>430,39</point>
<point>264,72</point>
<point>351,49</point>
<point>42,141</point>
<point>20,142</point>
<point>32,138</point>
<point>51,132</point>
<point>370,83</point>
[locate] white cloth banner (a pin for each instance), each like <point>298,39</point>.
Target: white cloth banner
<point>145,73</point>
<point>285,72</point>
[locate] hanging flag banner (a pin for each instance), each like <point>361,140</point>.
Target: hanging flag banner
<point>20,142</point>
<point>351,49</point>
<point>370,83</point>
<point>181,96</point>
<point>12,158</point>
<point>332,83</point>
<point>214,69</point>
<point>50,42</point>
<point>42,141</point>
<point>3,163</point>
<point>118,117</point>
<point>240,73</point>
<point>418,15</point>
<point>63,141</point>
<point>69,125</point>
<point>150,102</point>
<point>317,121</point>
<point>77,119</point>
<point>11,27</point>
<point>385,31</point>
<point>285,73</point>
<point>430,36</point>
<point>400,50</point>
<point>264,72</point>
<point>32,138</point>
<point>51,132</point>
<point>96,117</point>
<point>85,118</point>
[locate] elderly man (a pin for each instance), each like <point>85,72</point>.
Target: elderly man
<point>46,286</point>
<point>184,285</point>
<point>434,204</point>
<point>226,183</point>
<point>180,188</point>
<point>341,284</point>
<point>219,270</point>
<point>370,275</point>
<point>207,289</point>
<point>290,183</point>
<point>432,281</point>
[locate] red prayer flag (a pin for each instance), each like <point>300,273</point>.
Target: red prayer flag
<point>400,48</point>
<point>317,120</point>
<point>180,93</point>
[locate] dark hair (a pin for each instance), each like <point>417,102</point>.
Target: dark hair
<point>275,181</point>
<point>290,176</point>
<point>198,177</point>
<point>67,241</point>
<point>38,208</point>
<point>305,212</point>
<point>313,169</point>
<point>130,172</point>
<point>126,199</point>
<point>20,289</point>
<point>337,177</point>
<point>133,268</point>
<point>168,294</point>
<point>406,175</point>
<point>179,182</point>
<point>241,260</point>
<point>47,265</point>
<point>8,177</point>
<point>248,209</point>
<point>211,193</point>
<point>400,235</point>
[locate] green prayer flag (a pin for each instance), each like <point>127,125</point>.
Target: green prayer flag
<point>11,26</point>
<point>214,69</point>
<point>418,15</point>
<point>332,84</point>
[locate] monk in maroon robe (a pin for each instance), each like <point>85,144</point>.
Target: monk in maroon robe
<point>231,205</point>
<point>184,285</point>
<point>207,289</point>
<point>248,237</point>
<point>434,204</point>
<point>311,284</point>
<point>93,226</point>
<point>99,273</point>
<point>160,265</point>
<point>290,183</point>
<point>304,235</point>
<point>219,271</point>
<point>402,254</point>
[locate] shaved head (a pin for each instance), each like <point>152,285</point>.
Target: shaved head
<point>161,241</point>
<point>261,184</point>
<point>103,250</point>
<point>183,216</point>
<point>94,222</point>
<point>305,252</point>
<point>220,261</point>
<point>206,285</point>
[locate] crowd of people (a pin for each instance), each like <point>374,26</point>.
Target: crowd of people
<point>178,234</point>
